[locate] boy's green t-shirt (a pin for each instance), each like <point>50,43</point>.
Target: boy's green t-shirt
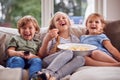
<point>25,45</point>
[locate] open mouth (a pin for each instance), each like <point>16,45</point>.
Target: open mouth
<point>27,35</point>
<point>62,24</point>
<point>93,28</point>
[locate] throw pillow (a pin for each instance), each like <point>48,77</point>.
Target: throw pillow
<point>2,48</point>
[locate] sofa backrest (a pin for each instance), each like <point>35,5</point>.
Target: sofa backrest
<point>7,33</point>
<point>112,30</point>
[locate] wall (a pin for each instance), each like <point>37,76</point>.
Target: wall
<point>109,8</point>
<point>113,9</point>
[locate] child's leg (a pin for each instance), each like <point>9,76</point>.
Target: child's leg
<point>101,56</point>
<point>60,60</point>
<point>70,67</point>
<point>35,66</point>
<point>47,60</point>
<point>92,62</point>
<point>2,67</point>
<point>15,62</point>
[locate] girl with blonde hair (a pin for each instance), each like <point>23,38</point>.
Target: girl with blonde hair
<point>59,62</point>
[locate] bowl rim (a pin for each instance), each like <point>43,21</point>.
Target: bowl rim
<point>65,46</point>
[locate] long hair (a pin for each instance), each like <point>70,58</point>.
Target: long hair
<point>52,26</point>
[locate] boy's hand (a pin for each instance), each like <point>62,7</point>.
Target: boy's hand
<point>26,53</point>
<point>20,53</point>
<point>30,56</point>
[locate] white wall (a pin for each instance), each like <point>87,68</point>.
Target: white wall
<point>109,8</point>
<point>113,9</point>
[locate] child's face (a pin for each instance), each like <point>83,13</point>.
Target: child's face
<point>94,26</point>
<point>61,22</point>
<point>28,31</point>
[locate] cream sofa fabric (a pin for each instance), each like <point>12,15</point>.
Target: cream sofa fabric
<point>10,74</point>
<point>97,73</point>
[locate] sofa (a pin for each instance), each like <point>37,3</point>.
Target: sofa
<point>112,30</point>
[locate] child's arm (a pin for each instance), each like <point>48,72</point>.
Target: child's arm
<point>43,49</point>
<point>108,45</point>
<point>11,52</point>
<point>49,36</point>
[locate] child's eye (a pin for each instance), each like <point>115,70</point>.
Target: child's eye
<point>96,21</point>
<point>30,27</point>
<point>90,21</point>
<point>57,19</point>
<point>63,17</point>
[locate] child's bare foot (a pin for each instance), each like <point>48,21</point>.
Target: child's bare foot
<point>52,78</point>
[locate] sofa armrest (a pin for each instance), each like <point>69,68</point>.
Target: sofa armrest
<point>96,73</point>
<point>10,74</point>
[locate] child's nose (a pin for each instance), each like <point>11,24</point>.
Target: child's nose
<point>61,18</point>
<point>26,30</point>
<point>93,23</point>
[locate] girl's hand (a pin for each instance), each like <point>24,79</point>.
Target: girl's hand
<point>49,36</point>
<point>52,34</point>
<point>117,58</point>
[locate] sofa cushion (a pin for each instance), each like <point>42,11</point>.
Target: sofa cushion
<point>112,30</point>
<point>96,73</point>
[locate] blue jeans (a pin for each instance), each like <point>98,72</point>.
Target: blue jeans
<point>34,64</point>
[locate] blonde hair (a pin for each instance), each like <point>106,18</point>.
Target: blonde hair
<point>52,25</point>
<point>25,20</point>
<point>94,16</point>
